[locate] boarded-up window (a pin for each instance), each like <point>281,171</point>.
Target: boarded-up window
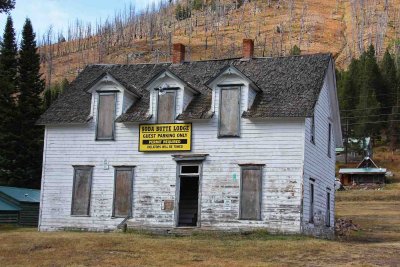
<point>311,203</point>
<point>123,192</point>
<point>250,193</point>
<point>81,190</point>
<point>106,116</point>
<point>229,112</point>
<point>328,209</point>
<point>166,107</point>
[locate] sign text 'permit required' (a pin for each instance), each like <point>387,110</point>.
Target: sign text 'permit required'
<point>165,137</point>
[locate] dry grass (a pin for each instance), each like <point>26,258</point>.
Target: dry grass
<point>21,248</point>
<point>377,243</point>
<point>390,192</point>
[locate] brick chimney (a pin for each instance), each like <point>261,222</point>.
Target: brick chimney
<point>248,48</point>
<point>178,54</point>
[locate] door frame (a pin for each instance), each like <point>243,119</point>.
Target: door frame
<point>178,189</point>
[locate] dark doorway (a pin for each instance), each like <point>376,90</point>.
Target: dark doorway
<point>188,201</point>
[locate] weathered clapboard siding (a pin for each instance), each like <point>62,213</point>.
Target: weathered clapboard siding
<point>318,166</point>
<point>28,215</point>
<point>9,217</point>
<point>277,143</point>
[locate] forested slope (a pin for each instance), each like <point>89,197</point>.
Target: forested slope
<point>215,28</point>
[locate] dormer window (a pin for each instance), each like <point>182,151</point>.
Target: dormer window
<point>166,111</point>
<point>106,116</point>
<point>229,112</point>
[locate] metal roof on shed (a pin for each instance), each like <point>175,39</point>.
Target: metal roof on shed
<point>5,206</point>
<point>21,194</point>
<point>362,171</point>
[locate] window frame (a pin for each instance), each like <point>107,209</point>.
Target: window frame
<point>167,91</point>
<point>312,130</point>
<point>101,93</point>
<point>251,167</point>
<point>123,168</point>
<point>189,174</point>
<point>233,87</point>
<point>328,208</point>
<point>82,167</point>
<point>312,200</point>
<point>329,140</point>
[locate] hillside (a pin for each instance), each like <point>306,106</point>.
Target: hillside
<point>216,30</point>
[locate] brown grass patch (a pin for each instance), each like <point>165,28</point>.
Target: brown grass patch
<point>28,247</point>
<point>385,194</point>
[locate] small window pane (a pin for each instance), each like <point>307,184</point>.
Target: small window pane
<point>106,114</point>
<point>81,191</point>
<point>229,121</point>
<point>250,195</point>
<point>189,169</point>
<point>123,192</point>
<point>166,108</point>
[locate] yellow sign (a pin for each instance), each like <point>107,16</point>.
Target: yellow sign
<point>165,137</point>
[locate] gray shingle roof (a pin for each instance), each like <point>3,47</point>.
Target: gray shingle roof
<point>290,87</point>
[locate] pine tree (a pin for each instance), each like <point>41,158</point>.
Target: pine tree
<point>6,5</point>
<point>371,90</point>
<point>295,51</point>
<point>52,94</point>
<point>389,75</point>
<point>8,109</point>
<point>9,52</point>
<point>31,85</point>
<point>349,85</point>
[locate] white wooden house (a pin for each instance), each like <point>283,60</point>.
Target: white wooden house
<point>232,144</point>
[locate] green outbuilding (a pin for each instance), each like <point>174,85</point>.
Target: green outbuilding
<point>19,206</point>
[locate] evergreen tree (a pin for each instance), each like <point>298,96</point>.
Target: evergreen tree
<point>8,112</point>
<point>389,75</point>
<point>179,12</point>
<point>9,52</point>
<point>197,4</point>
<point>31,85</point>
<point>295,51</point>
<point>349,90</point>
<point>370,97</point>
<point>52,94</point>
<point>6,5</point>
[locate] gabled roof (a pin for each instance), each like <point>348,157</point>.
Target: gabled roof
<point>131,88</point>
<point>289,86</point>
<point>367,162</point>
<point>231,67</point>
<point>169,72</point>
<point>21,194</point>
